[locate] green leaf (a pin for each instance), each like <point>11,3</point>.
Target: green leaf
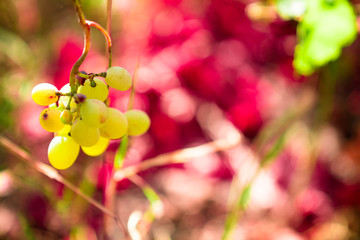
<point>290,8</point>
<point>326,28</point>
<point>244,197</point>
<point>274,151</point>
<point>121,152</point>
<point>15,48</point>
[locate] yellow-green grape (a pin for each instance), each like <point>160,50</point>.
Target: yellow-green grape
<point>64,131</point>
<point>44,94</point>
<point>53,105</point>
<point>83,134</point>
<point>98,149</point>
<point>62,152</point>
<point>94,112</point>
<point>116,125</point>
<point>50,120</point>
<point>99,91</point>
<point>118,78</point>
<point>139,122</point>
<point>66,116</point>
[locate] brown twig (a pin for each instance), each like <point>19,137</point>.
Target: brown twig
<point>179,156</point>
<point>50,172</point>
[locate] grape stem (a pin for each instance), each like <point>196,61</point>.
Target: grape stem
<point>107,37</point>
<point>91,75</point>
<point>86,28</point>
<point>86,24</point>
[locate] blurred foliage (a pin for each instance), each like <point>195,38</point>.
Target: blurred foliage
<point>289,9</point>
<point>326,27</point>
<point>298,163</point>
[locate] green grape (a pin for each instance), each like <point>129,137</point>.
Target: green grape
<point>94,113</point>
<point>83,134</point>
<point>66,116</point>
<point>53,105</point>
<point>64,131</point>
<point>139,122</point>
<point>44,94</point>
<point>50,120</point>
<point>116,125</point>
<point>98,148</point>
<point>118,78</point>
<point>62,152</point>
<point>100,91</point>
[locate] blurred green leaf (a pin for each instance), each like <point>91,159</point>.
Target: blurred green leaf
<point>121,152</point>
<point>290,8</point>
<point>15,48</point>
<point>28,232</point>
<point>274,151</point>
<point>245,196</point>
<point>326,28</point>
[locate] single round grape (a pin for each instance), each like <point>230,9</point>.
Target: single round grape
<point>66,116</point>
<point>139,122</point>
<point>44,94</point>
<point>62,152</point>
<point>100,91</point>
<point>98,149</point>
<point>118,78</point>
<point>116,125</point>
<point>83,134</point>
<point>50,120</point>
<point>94,112</point>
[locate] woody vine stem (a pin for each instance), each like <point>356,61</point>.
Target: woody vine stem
<point>86,25</point>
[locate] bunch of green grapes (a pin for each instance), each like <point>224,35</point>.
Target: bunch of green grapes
<point>82,119</point>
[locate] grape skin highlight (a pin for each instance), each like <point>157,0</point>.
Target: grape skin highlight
<point>118,78</point>
<point>44,94</point>
<point>139,122</point>
<point>62,152</point>
<point>50,120</point>
<point>100,91</point>
<point>116,125</point>
<point>83,134</point>
<point>94,113</point>
<point>98,149</point>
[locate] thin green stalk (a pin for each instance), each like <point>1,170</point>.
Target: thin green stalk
<point>108,26</point>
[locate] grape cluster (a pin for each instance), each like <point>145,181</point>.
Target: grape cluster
<point>83,119</point>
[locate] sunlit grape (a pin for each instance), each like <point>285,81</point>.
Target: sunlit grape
<point>44,94</point>
<point>98,148</point>
<point>116,125</point>
<point>139,122</point>
<point>50,120</point>
<point>83,134</point>
<point>65,131</point>
<point>62,152</point>
<point>94,112</point>
<point>99,91</point>
<point>118,78</point>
